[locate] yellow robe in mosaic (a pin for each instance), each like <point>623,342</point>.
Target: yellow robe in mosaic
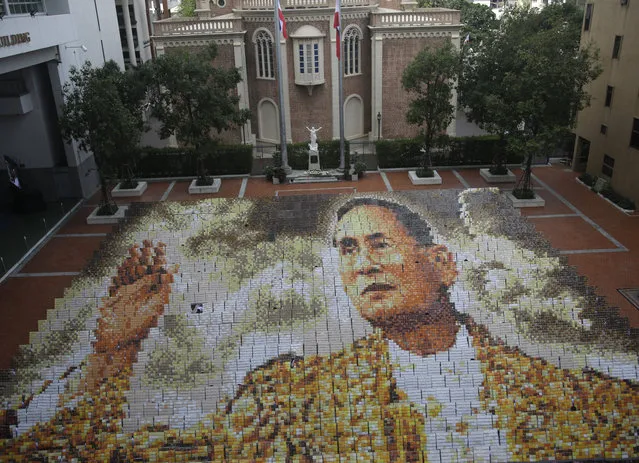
<point>347,405</point>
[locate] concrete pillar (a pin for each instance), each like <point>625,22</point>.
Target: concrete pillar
<point>239,52</point>
<point>129,32</point>
<point>287,100</point>
<point>376,87</point>
<point>142,26</point>
<point>451,130</point>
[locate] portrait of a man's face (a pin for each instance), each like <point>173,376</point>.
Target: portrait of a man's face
<point>384,269</point>
<point>415,326</point>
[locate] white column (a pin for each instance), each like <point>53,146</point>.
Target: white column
<point>451,130</point>
<point>287,99</point>
<point>142,26</point>
<point>334,79</point>
<point>129,32</point>
<point>376,87</point>
<point>239,53</point>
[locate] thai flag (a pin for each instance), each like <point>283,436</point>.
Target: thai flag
<point>282,20</point>
<point>467,39</point>
<point>336,25</point>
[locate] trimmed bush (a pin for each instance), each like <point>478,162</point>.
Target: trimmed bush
<point>182,162</point>
<point>455,151</point>
<point>587,179</point>
<point>619,200</point>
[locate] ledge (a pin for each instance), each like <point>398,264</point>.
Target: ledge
<point>537,201</point>
<point>118,192</point>
<point>415,180</point>
<point>490,178</point>
<point>95,219</point>
<point>199,190</point>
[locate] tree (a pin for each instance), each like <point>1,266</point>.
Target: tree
<point>478,20</point>
<point>527,81</point>
<point>430,78</point>
<point>102,111</point>
<point>186,8</point>
<point>190,97</point>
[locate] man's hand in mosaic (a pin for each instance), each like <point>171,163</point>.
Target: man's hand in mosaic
<point>136,300</point>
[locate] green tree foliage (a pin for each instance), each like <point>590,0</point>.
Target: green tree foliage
<point>102,111</point>
<point>527,80</point>
<point>430,79</point>
<point>478,20</point>
<point>187,8</point>
<point>190,97</point>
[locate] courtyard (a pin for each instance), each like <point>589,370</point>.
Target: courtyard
<point>245,326</point>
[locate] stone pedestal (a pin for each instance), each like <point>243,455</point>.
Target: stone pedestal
<point>95,219</point>
<point>415,180</point>
<point>537,201</point>
<point>198,190</point>
<point>509,177</point>
<point>118,192</point>
<point>313,158</point>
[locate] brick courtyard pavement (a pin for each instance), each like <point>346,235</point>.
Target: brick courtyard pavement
<point>600,241</point>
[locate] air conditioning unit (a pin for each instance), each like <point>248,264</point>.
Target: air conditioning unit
<point>624,2</point>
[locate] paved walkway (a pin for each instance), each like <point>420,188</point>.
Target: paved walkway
<point>599,240</point>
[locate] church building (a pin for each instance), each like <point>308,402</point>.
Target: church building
<point>380,38</point>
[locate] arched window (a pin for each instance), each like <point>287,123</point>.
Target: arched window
<point>264,54</point>
<point>352,51</point>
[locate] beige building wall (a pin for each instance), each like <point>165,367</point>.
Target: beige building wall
<point>609,19</point>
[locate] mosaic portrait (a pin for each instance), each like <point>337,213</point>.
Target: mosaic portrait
<point>415,326</point>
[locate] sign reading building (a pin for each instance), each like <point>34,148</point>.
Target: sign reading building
<point>14,39</point>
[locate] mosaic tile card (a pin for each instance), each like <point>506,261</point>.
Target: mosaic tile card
<point>421,326</point>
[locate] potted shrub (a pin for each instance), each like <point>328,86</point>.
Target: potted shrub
<point>129,186</point>
<point>279,175</point>
<point>268,173</point>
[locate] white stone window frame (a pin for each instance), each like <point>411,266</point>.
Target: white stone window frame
<point>265,67</point>
<point>352,48</point>
<point>308,47</point>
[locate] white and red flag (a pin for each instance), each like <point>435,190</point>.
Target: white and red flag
<point>336,25</point>
<point>282,20</point>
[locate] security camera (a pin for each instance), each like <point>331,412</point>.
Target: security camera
<point>84,48</point>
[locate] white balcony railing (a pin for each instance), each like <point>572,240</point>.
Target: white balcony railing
<point>197,26</point>
<point>268,4</point>
<point>415,18</point>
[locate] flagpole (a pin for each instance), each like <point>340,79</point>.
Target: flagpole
<point>342,160</point>
<point>280,87</point>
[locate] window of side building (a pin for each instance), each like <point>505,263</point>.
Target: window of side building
<point>616,48</point>
<point>25,6</point>
<point>609,92</point>
<point>634,136</point>
<point>608,166</point>
<point>588,16</point>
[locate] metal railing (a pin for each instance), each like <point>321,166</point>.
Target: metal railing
<point>268,4</point>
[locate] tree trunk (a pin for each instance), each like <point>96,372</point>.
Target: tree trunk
<point>107,205</point>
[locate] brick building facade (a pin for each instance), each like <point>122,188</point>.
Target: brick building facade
<point>379,41</point>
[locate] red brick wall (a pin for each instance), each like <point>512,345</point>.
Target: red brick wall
<point>397,54</point>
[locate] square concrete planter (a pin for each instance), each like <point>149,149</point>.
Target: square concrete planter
<point>415,180</point>
<point>537,201</point>
<point>276,181</point>
<point>118,192</point>
<point>95,219</point>
<point>490,178</point>
<point>198,190</point>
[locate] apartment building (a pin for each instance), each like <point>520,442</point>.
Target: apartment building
<point>607,143</point>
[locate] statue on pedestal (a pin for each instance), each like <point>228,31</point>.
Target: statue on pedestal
<point>313,153</point>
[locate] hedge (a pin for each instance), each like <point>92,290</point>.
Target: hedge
<point>182,162</point>
<point>328,151</point>
<point>405,152</point>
